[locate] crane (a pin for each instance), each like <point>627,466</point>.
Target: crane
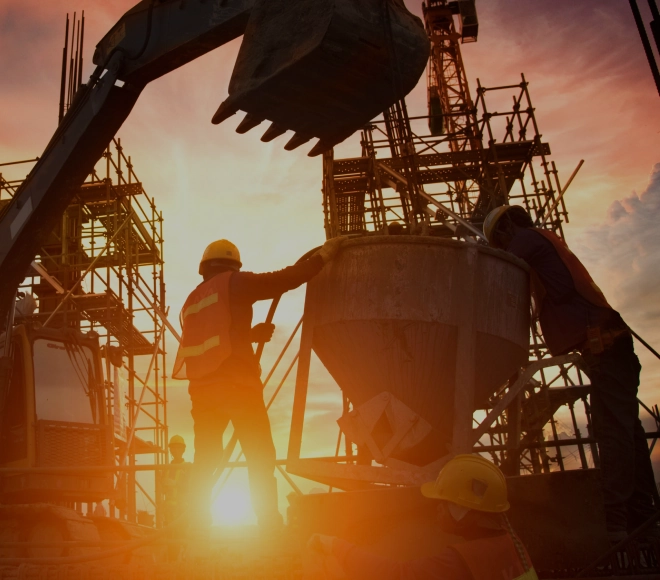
<point>322,68</point>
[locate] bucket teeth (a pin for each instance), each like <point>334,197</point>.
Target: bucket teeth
<point>223,113</point>
<point>273,132</point>
<point>320,147</point>
<point>296,141</point>
<point>249,122</point>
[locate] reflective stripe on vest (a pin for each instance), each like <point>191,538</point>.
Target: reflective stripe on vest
<point>199,349</point>
<point>494,558</point>
<point>203,303</point>
<point>205,320</point>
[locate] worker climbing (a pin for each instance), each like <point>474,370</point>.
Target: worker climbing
<point>472,503</point>
<point>217,357</point>
<point>575,316</point>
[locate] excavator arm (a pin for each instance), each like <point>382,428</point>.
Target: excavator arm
<point>322,68</point>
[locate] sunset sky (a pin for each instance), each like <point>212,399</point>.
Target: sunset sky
<point>595,100</point>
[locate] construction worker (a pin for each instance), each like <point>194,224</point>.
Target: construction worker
<point>575,316</point>
<point>176,481</point>
<point>176,484</point>
<point>216,356</point>
<point>472,496</point>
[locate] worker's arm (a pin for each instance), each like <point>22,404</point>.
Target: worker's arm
<point>253,287</point>
<point>359,564</point>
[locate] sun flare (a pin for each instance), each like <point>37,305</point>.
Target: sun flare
<point>233,507</point>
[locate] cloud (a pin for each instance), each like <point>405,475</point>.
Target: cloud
<point>622,253</point>
<point>625,252</point>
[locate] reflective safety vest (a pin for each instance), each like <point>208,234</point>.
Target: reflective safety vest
<point>178,480</point>
<point>582,280</point>
<point>205,320</point>
<point>496,558</point>
<point>176,488</point>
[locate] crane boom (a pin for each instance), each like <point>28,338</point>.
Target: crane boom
<point>302,65</point>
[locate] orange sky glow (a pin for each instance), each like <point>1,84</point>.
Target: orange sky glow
<point>594,97</point>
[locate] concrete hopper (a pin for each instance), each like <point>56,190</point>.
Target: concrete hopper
<point>414,329</point>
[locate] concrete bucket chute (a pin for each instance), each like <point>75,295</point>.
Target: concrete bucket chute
<point>324,68</point>
<point>396,320</point>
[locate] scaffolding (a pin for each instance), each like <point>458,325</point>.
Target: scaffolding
<point>441,172</point>
<point>400,169</point>
<point>101,270</point>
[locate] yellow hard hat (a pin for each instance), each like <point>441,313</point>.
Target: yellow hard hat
<point>472,482</point>
<point>492,219</point>
<point>177,440</point>
<point>221,250</point>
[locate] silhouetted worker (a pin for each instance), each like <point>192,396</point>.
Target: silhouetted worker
<point>176,481</point>
<point>473,501</point>
<point>575,316</point>
<point>216,356</point>
<point>176,484</point>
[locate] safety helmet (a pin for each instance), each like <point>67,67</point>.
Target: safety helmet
<point>494,217</point>
<point>177,440</point>
<point>472,482</point>
<point>221,250</point>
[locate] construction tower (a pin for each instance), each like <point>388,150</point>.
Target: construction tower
<point>439,174</point>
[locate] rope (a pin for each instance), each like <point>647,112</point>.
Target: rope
<point>520,548</point>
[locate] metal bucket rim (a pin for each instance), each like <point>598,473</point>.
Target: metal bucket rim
<point>429,240</point>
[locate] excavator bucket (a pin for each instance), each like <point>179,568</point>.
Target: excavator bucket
<point>323,68</point>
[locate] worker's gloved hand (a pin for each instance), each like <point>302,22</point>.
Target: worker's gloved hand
<point>262,332</point>
<point>321,544</point>
<point>329,250</point>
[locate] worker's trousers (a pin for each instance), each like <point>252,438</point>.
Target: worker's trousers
<point>212,409</point>
<point>627,476</point>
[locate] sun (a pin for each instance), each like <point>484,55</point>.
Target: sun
<point>233,507</point>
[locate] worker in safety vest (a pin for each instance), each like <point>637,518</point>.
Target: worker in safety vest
<point>176,484</point>
<point>176,481</point>
<point>575,316</point>
<point>472,496</point>
<point>217,357</point>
